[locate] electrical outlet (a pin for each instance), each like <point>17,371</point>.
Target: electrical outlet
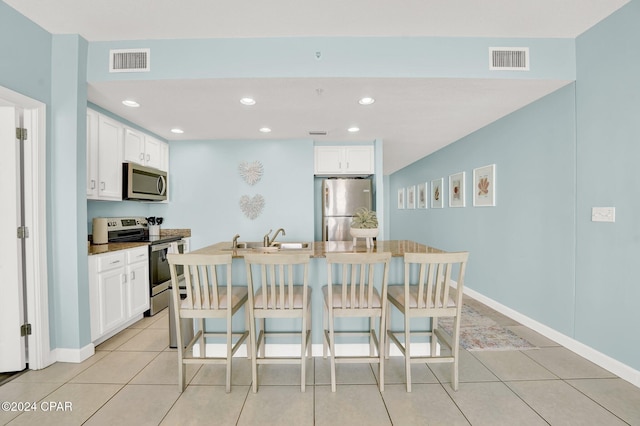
<point>603,214</point>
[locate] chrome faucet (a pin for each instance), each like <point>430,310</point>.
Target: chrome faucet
<point>273,240</point>
<point>265,240</point>
<point>234,243</point>
<point>268,242</point>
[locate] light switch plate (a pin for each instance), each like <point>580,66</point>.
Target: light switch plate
<point>603,214</point>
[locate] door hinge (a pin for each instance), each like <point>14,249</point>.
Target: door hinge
<point>23,232</point>
<point>21,133</point>
<point>25,330</point>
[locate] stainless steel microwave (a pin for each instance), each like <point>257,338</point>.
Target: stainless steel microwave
<point>143,183</point>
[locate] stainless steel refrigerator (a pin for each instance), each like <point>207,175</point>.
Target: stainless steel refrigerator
<point>340,199</point>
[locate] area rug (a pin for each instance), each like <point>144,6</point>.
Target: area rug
<point>481,333</point>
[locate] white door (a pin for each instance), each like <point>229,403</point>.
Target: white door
<point>12,344</point>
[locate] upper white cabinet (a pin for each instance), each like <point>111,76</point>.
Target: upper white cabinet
<point>104,157</point>
<point>92,154</point>
<point>144,149</point>
<point>344,160</point>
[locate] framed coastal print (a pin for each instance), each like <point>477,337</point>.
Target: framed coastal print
<point>411,197</point>
<point>484,186</point>
<point>456,190</point>
<point>401,198</point>
<point>422,196</point>
<point>437,193</point>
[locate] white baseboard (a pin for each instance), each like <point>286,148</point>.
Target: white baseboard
<point>73,355</point>
<point>610,364</point>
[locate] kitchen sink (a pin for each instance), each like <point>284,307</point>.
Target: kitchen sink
<point>259,246</point>
<point>250,245</point>
<point>244,245</point>
<point>292,246</point>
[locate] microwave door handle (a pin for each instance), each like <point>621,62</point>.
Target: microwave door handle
<point>161,184</point>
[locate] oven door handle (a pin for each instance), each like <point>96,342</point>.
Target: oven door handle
<point>166,246</point>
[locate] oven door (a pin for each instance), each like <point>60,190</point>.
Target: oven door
<point>159,274</point>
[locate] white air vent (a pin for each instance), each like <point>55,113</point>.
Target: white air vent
<point>509,58</point>
<point>129,60</point>
<point>317,133</point>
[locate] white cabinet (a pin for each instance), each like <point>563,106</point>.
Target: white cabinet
<point>344,160</point>
<point>118,290</point>
<point>104,157</point>
<point>144,149</point>
<point>92,154</point>
<point>134,146</point>
<point>107,292</point>
<point>137,271</point>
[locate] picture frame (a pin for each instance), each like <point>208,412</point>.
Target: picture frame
<point>457,196</point>
<point>484,186</point>
<point>400,198</point>
<point>421,196</point>
<point>437,193</point>
<point>411,197</point>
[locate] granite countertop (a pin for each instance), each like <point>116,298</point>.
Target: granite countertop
<point>111,247</point>
<point>320,248</point>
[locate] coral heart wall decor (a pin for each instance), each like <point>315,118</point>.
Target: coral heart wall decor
<point>251,172</point>
<point>252,206</point>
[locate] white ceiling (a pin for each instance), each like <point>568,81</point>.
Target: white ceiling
<point>414,117</point>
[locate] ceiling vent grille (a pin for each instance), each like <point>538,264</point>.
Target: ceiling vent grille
<point>129,60</point>
<point>509,58</point>
<point>317,133</point>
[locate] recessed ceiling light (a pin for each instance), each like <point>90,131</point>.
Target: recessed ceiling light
<point>353,129</point>
<point>366,101</point>
<point>248,101</point>
<point>130,103</point>
<point>177,131</point>
<point>265,129</point>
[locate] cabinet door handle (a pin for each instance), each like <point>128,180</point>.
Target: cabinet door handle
<point>114,262</point>
<point>93,184</point>
<point>142,156</point>
<point>124,278</point>
<point>148,157</point>
<point>133,275</point>
<point>102,186</point>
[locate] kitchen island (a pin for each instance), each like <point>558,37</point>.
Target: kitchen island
<point>318,276</point>
<point>319,249</point>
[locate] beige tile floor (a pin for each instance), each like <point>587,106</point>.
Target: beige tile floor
<point>132,380</point>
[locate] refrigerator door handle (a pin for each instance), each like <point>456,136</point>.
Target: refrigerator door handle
<point>326,198</point>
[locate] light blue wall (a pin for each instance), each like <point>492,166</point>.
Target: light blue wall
<point>608,111</point>
<point>25,50</point>
<point>205,189</point>
<point>521,251</point>
<point>538,251</point>
<point>444,57</point>
<point>68,277</point>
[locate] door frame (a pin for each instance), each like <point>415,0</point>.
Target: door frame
<point>35,117</point>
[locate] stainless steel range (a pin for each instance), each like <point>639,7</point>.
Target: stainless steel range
<point>135,229</point>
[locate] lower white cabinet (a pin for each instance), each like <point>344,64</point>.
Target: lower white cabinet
<point>118,290</point>
<point>138,297</point>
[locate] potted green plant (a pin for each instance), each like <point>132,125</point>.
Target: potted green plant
<point>364,225</point>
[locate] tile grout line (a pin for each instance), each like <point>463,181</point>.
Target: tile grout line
<point>587,396</point>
